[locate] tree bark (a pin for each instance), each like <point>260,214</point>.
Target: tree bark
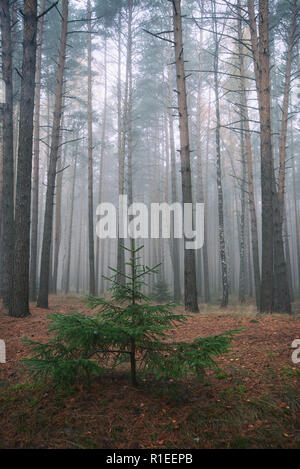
<point>7,206</point>
<point>129,105</point>
<point>224,268</point>
<point>69,246</point>
<point>282,289</point>
<point>36,163</point>
<point>92,287</point>
<point>48,219</point>
<point>175,241</point>
<point>190,288</point>
<point>58,199</point>
<point>247,161</point>
<point>297,225</point>
<point>261,57</point>
<point>99,245</point>
<point>121,147</point>
<point>250,180</point>
<point>281,292</point>
<point>242,285</point>
<point>285,106</point>
<point>20,298</point>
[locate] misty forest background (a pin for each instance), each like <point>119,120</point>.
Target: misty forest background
<point>94,95</point>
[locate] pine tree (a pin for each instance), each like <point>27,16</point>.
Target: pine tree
<point>127,327</point>
<point>7,205</point>
<point>190,285</point>
<point>42,301</point>
<point>161,291</point>
<point>19,306</point>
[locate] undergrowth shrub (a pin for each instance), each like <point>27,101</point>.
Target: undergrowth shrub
<point>127,327</point>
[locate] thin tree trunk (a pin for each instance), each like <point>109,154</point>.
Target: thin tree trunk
<point>121,153</point>
<point>48,219</point>
<point>200,189</point>
<point>167,171</point>
<point>282,298</point>
<point>251,193</point>
<point>58,200</point>
<point>281,292</point>
<point>102,154</point>
<point>223,259</point>
<point>242,285</point>
<point>1,179</point>
<point>78,270</point>
<point>285,106</point>
<point>288,256</point>
<point>129,156</point>
<point>69,248</point>
<point>175,241</point>
<point>129,109</point>
<point>297,226</point>
<point>190,288</point>
<point>203,254</point>
<point>92,287</point>
<point>205,251</point>
<point>36,164</point>
<point>130,148</point>
<point>261,57</point>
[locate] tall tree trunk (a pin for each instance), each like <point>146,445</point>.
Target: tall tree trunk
<point>224,268</point>
<point>297,226</point>
<point>58,199</point>
<point>129,138</point>
<point>167,170</point>
<point>121,153</point>
<point>48,219</point>
<point>203,254</point>
<point>200,189</point>
<point>125,123</point>
<point>190,288</point>
<point>285,106</point>
<point>79,262</point>
<point>7,237</point>
<point>92,287</point>
<point>1,178</point>
<point>99,245</point>
<point>249,158</point>
<point>69,246</point>
<point>129,107</point>
<point>36,163</point>
<point>282,298</point>
<point>261,55</point>
<point>175,241</point>
<point>242,285</point>
<point>205,251</point>
<point>281,292</point>
<point>288,256</point>
<point>20,298</point>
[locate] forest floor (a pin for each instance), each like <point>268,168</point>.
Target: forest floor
<point>251,401</point>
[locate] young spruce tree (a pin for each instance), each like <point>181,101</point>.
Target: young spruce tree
<point>126,328</point>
